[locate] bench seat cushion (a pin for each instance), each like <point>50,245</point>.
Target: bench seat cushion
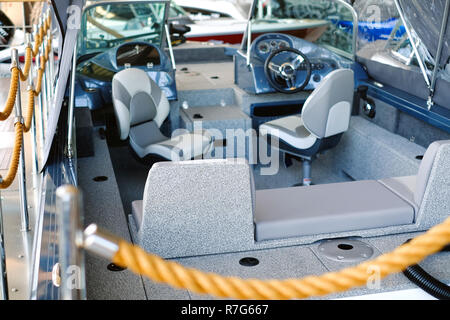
<point>323,209</point>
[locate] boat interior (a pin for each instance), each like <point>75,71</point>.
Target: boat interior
<point>277,158</point>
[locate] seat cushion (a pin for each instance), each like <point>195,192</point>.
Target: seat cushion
<point>142,108</point>
<point>404,187</point>
<point>146,139</point>
<point>323,209</point>
<point>291,131</point>
<point>183,147</point>
<point>144,135</point>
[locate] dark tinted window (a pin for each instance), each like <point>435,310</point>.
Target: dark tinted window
<point>138,55</point>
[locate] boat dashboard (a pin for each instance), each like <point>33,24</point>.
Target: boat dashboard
<point>96,71</point>
<point>141,54</point>
<point>284,63</point>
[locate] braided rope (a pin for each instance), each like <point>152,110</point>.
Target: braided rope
<point>30,110</point>
<point>38,88</point>
<point>16,75</point>
<point>27,67</point>
<point>174,274</point>
<point>10,101</point>
<point>37,44</point>
<point>14,165</point>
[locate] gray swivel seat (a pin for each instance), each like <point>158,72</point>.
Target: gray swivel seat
<point>325,117</point>
<point>141,107</point>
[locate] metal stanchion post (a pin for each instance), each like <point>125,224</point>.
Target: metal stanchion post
<point>71,104</point>
<point>51,62</point>
<point>40,102</point>
<point>22,171</point>
<point>3,278</point>
<point>44,94</point>
<point>68,206</point>
<point>44,77</point>
<point>49,70</point>
<point>35,162</point>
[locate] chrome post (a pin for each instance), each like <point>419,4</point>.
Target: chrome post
<point>47,74</point>
<point>3,278</point>
<point>44,85</point>
<point>169,43</point>
<point>51,63</point>
<point>40,100</point>
<point>100,243</point>
<point>71,256</point>
<point>35,162</point>
<point>70,152</point>
<point>24,27</point>
<point>260,10</point>
<point>439,53</point>
<point>22,171</point>
<point>249,41</point>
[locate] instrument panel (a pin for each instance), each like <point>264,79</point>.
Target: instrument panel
<point>266,45</point>
<point>322,61</point>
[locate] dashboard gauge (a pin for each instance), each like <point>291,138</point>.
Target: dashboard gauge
<point>263,47</point>
<point>273,44</point>
<point>283,45</point>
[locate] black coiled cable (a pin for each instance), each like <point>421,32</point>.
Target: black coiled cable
<point>426,282</point>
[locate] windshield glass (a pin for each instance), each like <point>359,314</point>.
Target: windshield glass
<point>108,25</point>
<point>325,22</point>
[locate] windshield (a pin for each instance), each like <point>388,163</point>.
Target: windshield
<point>329,23</point>
<point>108,25</point>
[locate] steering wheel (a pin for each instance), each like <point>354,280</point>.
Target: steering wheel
<point>284,68</point>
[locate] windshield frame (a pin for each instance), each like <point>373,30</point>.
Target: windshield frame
<point>246,42</point>
<point>92,4</point>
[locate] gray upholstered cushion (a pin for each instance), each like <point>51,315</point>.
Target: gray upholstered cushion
<point>335,91</point>
<point>289,130</point>
<point>404,187</point>
<point>425,169</point>
<point>146,134</point>
<point>142,108</point>
<point>340,207</point>
<point>146,139</point>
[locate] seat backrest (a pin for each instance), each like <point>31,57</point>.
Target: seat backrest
<point>198,207</point>
<point>425,168</point>
<point>327,111</point>
<point>137,99</point>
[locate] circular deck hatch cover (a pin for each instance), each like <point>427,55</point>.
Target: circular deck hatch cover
<point>346,250</point>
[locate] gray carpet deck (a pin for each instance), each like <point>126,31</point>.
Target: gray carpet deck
<point>127,176</point>
<point>102,205</point>
<point>298,262</point>
<point>290,262</point>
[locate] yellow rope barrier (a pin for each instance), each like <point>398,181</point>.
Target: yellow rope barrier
<point>14,85</point>
<point>14,165</point>
<point>27,67</point>
<point>174,274</point>
<point>37,44</point>
<point>30,110</point>
<point>38,82</point>
<point>16,75</point>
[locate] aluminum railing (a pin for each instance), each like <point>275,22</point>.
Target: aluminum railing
<point>42,111</point>
<point>71,256</point>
